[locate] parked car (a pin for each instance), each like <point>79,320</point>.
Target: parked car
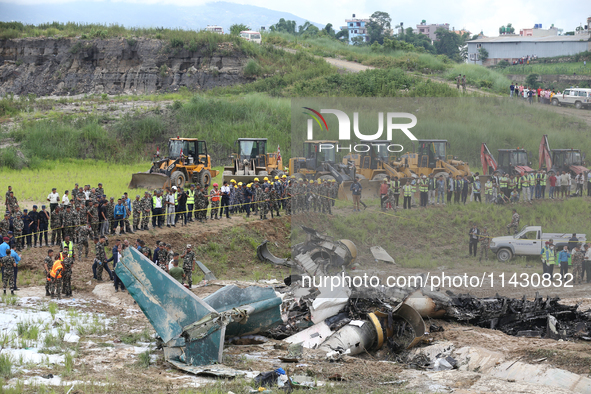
<point>579,97</point>
<point>250,35</point>
<point>529,242</point>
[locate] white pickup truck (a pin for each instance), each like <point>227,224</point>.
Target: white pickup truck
<point>529,242</point>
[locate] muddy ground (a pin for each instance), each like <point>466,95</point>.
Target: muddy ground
<point>104,362</point>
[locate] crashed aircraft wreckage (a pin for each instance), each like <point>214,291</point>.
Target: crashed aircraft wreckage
<point>337,321</point>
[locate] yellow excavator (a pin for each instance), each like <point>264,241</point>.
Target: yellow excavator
<point>252,161</point>
<point>428,157</point>
<point>187,161</point>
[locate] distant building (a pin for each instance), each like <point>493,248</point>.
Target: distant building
<point>429,30</point>
<point>514,47</point>
<point>215,29</point>
<point>537,31</point>
<point>357,28</point>
<point>461,32</point>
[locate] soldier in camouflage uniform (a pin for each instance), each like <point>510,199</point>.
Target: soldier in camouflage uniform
<point>484,244</point>
<point>273,201</point>
<point>202,201</point>
<point>74,197</point>
<point>82,233</point>
<point>146,207</point>
<point>47,266</point>
<point>18,225</point>
<point>111,215</point>
<point>56,226</point>
<point>188,265</point>
<point>100,256</point>
<point>577,260</point>
<point>67,276</point>
<point>12,203</point>
<point>136,208</point>
<point>288,191</point>
<point>162,255</point>
<point>326,198</point>
<point>7,262</point>
<point>265,199</point>
<point>5,225</point>
<point>69,222</point>
<point>334,188</point>
<point>93,214</point>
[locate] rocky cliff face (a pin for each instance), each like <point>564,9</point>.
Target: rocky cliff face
<point>46,66</point>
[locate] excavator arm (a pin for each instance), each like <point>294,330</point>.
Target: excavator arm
<point>545,156</point>
<point>487,159</point>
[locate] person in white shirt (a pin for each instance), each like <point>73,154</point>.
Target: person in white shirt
<point>564,185</point>
<point>54,199</point>
<point>170,207</point>
<point>66,199</point>
<point>225,190</point>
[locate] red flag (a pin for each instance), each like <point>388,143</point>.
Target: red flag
<point>278,153</point>
<point>181,152</point>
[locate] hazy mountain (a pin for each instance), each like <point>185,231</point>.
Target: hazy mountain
<point>147,15</point>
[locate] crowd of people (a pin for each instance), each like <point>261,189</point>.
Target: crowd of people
<point>499,189</point>
<point>540,95</point>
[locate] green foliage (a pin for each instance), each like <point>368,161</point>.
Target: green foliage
<point>474,74</point>
<point>448,43</point>
<point>236,28</point>
<point>371,83</point>
<point>379,21</point>
<point>163,70</point>
<point>144,359</point>
<point>6,363</point>
<point>483,54</point>
<point>252,69</point>
<point>532,81</point>
<point>568,68</point>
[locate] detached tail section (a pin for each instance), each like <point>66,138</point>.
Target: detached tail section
<point>193,329</point>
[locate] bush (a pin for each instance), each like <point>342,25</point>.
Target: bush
<point>252,69</point>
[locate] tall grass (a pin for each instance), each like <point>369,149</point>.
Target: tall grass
<point>327,47</point>
<point>371,83</point>
<point>480,76</point>
<point>577,68</point>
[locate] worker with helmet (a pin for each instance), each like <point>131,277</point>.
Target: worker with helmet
<point>215,196</point>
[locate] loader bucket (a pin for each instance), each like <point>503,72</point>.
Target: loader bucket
<point>145,180</point>
<point>245,179</point>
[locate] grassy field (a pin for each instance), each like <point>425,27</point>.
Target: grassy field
<point>438,236</point>
<point>33,185</point>
<point>577,68</point>
<point>424,63</point>
<point>465,123</point>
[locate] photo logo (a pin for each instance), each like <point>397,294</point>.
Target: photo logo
<point>345,124</point>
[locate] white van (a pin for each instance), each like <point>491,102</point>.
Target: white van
<point>250,35</point>
<point>578,97</point>
<point>215,29</point>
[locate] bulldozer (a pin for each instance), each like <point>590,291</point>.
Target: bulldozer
<point>511,161</point>
<point>558,160</point>
<point>252,160</point>
<point>431,158</point>
<point>187,161</point>
<point>319,162</point>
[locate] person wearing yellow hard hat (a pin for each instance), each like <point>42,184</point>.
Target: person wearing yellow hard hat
<point>284,176</point>
<point>239,183</point>
<point>276,177</point>
<point>232,181</point>
<point>256,179</point>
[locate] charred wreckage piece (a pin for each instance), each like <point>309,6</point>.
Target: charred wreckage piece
<point>337,321</point>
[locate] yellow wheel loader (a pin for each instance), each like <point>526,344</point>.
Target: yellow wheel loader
<point>253,161</point>
<point>319,161</point>
<point>187,161</point>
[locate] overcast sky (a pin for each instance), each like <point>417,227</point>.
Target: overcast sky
<point>475,16</point>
